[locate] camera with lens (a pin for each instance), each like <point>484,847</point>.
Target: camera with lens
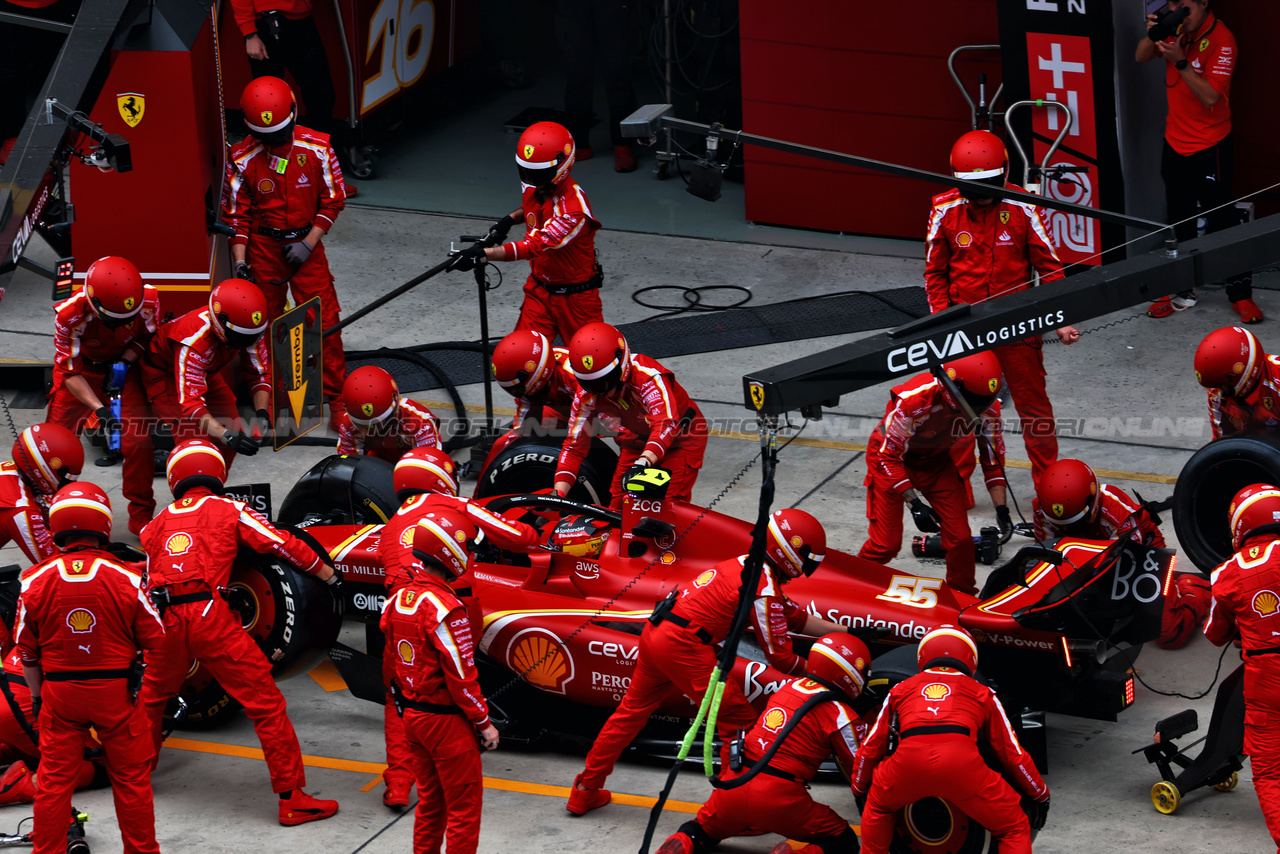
<point>986,545</point>
<point>1168,23</point>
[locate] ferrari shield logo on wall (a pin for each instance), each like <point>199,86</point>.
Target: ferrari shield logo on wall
<point>131,106</point>
<point>757,394</point>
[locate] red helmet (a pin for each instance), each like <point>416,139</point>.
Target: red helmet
<point>599,357</point>
<point>796,542</point>
<point>580,536</point>
<point>239,312</point>
<point>425,470</point>
<point>1253,507</point>
<point>978,378</point>
<point>441,539</point>
<point>1231,359</point>
<point>49,456</point>
<point>371,396</point>
<point>948,642</point>
<point>544,154</point>
<point>195,462</point>
<point>1068,493</point>
<point>80,508</point>
<point>114,289</point>
<point>268,105</point>
<point>840,661</point>
<point>523,362</point>
<point>979,155</point>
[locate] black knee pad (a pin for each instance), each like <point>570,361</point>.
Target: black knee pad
<point>702,841</point>
<point>845,843</point>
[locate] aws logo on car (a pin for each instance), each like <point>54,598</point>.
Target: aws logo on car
<point>540,658</point>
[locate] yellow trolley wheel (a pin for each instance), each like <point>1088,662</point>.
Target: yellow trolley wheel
<point>1166,797</point>
<point>1229,783</point>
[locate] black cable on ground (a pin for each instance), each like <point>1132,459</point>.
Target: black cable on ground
<point>692,298</point>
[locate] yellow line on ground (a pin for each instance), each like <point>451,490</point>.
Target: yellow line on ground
<point>372,784</point>
<point>327,676</point>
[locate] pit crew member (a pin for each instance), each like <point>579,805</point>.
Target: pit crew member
<point>910,458</point>
<point>562,293</point>
<point>777,799</point>
<point>940,712</point>
<point>182,369</point>
<point>437,688</point>
<point>635,398</point>
<point>111,319</point>
<point>1242,379</point>
<point>282,193</point>
<point>376,420</point>
<point>46,457</point>
<point>82,620</point>
<point>426,483</point>
<point>676,646</point>
<point>982,248</point>
<point>191,546</point>
<point>1246,590</point>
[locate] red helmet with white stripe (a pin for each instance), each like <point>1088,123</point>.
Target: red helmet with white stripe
<point>1230,359</point>
<point>425,470</point>
<point>1253,507</point>
<point>948,646</point>
<point>269,109</point>
<point>795,543</point>
<point>1068,493</point>
<point>978,378</point>
<point>544,155</point>
<point>523,362</point>
<point>371,396</point>
<point>239,312</point>
<point>841,661</point>
<point>599,357</point>
<point>980,155</point>
<point>442,540</point>
<point>195,462</point>
<point>114,288</point>
<point>80,508</point>
<point>49,456</point>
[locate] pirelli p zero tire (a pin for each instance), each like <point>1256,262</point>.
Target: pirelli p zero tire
<point>1206,485</point>
<point>342,490</point>
<point>529,464</point>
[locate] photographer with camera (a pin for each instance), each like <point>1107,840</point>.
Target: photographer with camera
<point>1198,159</point>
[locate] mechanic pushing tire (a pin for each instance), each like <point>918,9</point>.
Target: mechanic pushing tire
<point>1206,485</point>
<point>528,465</point>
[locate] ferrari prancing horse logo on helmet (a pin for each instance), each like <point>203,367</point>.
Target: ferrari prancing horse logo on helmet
<point>266,118</point>
<point>129,303</point>
<point>528,151</point>
<point>257,318</point>
<point>1058,510</point>
<point>587,362</point>
<point>367,409</point>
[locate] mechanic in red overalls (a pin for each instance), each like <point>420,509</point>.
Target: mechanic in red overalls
<point>282,194</point>
<point>676,646</point>
<point>426,483</point>
<point>110,320</point>
<point>437,688</point>
<point>777,799</point>
<point>1243,381</point>
<point>376,420</point>
<point>637,400</point>
<point>191,546</point>
<point>910,457</point>
<point>562,293</point>
<point>1246,605</point>
<point>82,620</point>
<point>182,369</point>
<point>979,249</point>
<point>939,714</point>
<point>46,457</point>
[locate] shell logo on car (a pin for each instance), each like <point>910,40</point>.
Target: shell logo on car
<point>541,660</point>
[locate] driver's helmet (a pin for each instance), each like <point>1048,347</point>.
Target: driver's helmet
<point>580,536</point>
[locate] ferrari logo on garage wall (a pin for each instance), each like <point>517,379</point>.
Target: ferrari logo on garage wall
<point>132,106</point>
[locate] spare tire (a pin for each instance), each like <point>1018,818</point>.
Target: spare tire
<point>341,490</point>
<point>529,464</point>
<point>1206,485</point>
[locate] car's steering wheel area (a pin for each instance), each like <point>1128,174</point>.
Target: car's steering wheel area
<point>535,501</point>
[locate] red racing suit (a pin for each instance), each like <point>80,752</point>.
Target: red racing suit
<point>269,207</point>
<point>1119,515</point>
<point>1246,601</point>
<point>182,373</point>
<point>395,552</point>
<point>191,546</point>
<point>940,714</point>
<point>82,618</point>
<point>680,657</point>
<point>22,515</point>
<point>1260,409</point>
<point>973,254</point>
<point>913,447</point>
<point>562,293</point>
<point>649,411</point>
<point>429,635</point>
<point>773,803</point>
<point>416,426</point>
<point>85,346</point>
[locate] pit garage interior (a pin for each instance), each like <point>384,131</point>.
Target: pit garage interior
<point>829,256</point>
